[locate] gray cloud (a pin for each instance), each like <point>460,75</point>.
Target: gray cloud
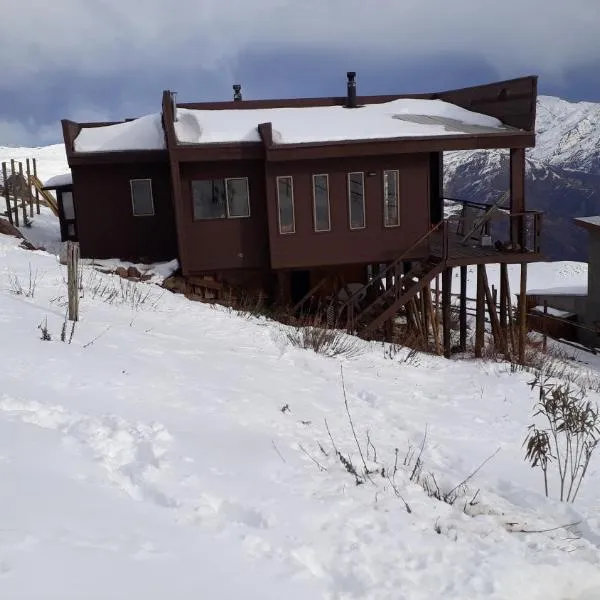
<point>105,36</point>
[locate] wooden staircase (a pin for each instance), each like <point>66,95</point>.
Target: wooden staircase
<point>401,289</point>
<point>388,304</point>
<point>46,195</point>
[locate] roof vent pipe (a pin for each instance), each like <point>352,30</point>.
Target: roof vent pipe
<point>351,96</point>
<point>237,92</point>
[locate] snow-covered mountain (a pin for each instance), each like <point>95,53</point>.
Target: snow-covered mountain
<point>563,173</point>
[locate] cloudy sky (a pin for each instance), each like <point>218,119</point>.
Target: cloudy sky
<point>111,59</point>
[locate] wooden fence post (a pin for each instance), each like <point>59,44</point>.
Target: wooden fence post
<point>6,193</point>
<point>30,198</point>
<point>13,178</point>
<point>72,280</point>
<point>37,192</point>
<point>24,191</point>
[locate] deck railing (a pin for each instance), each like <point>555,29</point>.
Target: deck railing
<point>515,231</point>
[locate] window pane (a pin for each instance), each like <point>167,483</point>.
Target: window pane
<point>391,214</point>
<point>357,200</point>
<point>141,197</point>
<point>321,200</point>
<point>285,198</point>
<point>67,204</point>
<point>209,199</point>
<point>238,201</point>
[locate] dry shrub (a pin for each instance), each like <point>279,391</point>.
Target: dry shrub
<point>311,333</point>
<point>569,438</point>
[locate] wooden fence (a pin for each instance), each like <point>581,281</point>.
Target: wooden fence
<point>21,197</point>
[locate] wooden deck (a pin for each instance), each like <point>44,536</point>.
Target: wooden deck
<point>472,253</point>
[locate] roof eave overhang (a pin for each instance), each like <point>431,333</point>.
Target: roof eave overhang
<point>270,151</point>
<point>124,156</point>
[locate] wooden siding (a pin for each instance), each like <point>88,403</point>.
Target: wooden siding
<point>106,226</point>
<point>341,245</point>
<point>223,243</point>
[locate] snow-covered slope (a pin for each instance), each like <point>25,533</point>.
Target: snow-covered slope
<point>174,450</point>
<point>51,160</point>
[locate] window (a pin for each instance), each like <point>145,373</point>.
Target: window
<point>141,197</point>
<point>68,206</point>
<point>285,201</point>
<point>220,198</point>
<point>356,200</point>
<point>321,202</point>
<point>391,212</point>
<point>238,198</point>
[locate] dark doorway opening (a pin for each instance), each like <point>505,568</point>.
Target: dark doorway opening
<point>299,285</point>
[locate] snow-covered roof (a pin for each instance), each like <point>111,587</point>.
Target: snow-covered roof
<point>567,290</point>
<point>59,180</point>
<point>295,125</point>
<point>145,133</point>
<point>594,221</point>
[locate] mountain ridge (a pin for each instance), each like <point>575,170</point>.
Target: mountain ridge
<point>562,173</point>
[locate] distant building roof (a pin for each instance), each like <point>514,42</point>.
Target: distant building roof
<point>588,222</point>
<point>59,181</point>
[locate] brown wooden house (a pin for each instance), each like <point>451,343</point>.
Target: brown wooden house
<point>303,197</point>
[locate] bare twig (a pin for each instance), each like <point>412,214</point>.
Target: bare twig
<point>277,450</point>
<point>352,424</point>
<point>419,463</point>
<point>96,338</point>
<point>545,530</point>
<point>321,467</point>
<point>406,505</point>
<point>470,476</point>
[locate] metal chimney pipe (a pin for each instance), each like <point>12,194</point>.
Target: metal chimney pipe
<point>237,92</point>
<point>351,96</point>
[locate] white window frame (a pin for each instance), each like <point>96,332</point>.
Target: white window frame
<point>279,205</point>
<point>153,213</point>
<point>314,189</point>
<point>364,225</point>
<point>227,199</point>
<point>385,197</point>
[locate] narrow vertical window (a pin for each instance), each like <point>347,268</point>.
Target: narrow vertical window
<point>238,198</point>
<point>321,202</point>
<point>391,193</point>
<point>285,201</point>
<point>68,206</point>
<point>356,200</point>
<point>141,197</point>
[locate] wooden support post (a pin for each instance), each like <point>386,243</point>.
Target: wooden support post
<point>446,301</point>
<point>463,309</point>
<point>16,201</point>
<point>72,279</point>
<point>23,193</point>
<point>523,313</point>
<point>494,321</point>
<point>503,296</point>
<point>480,313</point>
<point>29,194</point>
<point>517,194</point>
<point>435,326</point>
<point>509,314</point>
<point>425,313</point>
<point>37,192</point>
<point>6,194</point>
<point>545,343</point>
